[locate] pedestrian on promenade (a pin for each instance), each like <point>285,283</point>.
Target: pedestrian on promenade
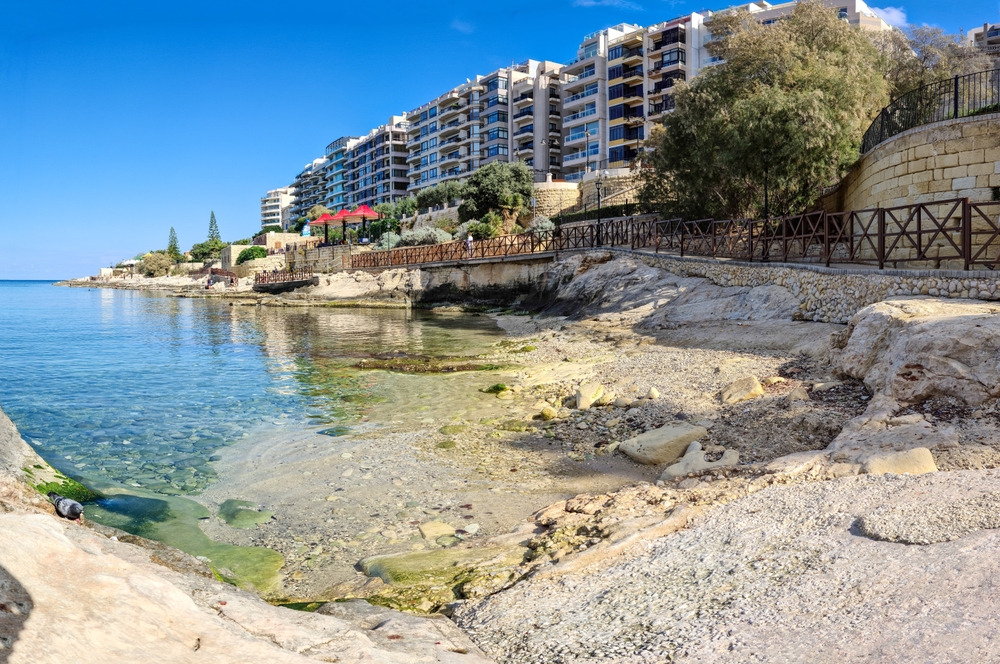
<point>468,244</point>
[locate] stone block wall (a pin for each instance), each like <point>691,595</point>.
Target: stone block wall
<point>552,198</point>
<point>950,159</point>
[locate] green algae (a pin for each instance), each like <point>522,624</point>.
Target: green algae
<point>242,514</point>
<point>452,429</point>
<point>446,445</point>
<point>518,426</point>
<point>174,520</point>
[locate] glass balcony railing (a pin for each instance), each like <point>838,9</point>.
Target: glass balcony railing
<point>585,93</point>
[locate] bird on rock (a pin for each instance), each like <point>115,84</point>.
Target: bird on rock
<point>67,508</point>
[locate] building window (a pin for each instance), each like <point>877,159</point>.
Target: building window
<point>495,133</point>
<point>432,113</point>
<point>616,91</point>
<point>616,112</point>
<point>615,53</point>
<point>494,150</point>
<point>614,71</point>
<point>590,50</point>
<point>616,154</point>
<point>496,116</point>
<point>616,133</point>
<point>674,56</point>
<point>842,13</point>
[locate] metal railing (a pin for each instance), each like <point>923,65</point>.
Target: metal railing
<point>950,234</point>
<point>950,99</point>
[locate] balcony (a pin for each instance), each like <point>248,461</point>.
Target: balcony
<point>580,115</point>
<point>554,113</point>
<point>573,78</point>
<point>525,147</point>
<point>662,107</point>
<point>447,128</point>
<point>525,130</point>
<point>632,55</point>
<point>524,97</point>
<point>415,155</point>
<point>530,111</point>
<point>633,73</point>
<point>669,38</point>
<point>454,156</point>
<point>446,112</point>
<point>578,97</point>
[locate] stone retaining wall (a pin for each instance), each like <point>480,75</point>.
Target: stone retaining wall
<point>831,295</point>
<point>950,159</point>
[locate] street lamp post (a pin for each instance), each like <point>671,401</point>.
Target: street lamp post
<point>599,184</point>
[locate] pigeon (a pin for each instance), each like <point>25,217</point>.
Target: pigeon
<point>67,508</point>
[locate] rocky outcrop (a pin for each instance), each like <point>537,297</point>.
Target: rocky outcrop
<point>595,283</point>
<point>70,593</point>
<point>911,349</point>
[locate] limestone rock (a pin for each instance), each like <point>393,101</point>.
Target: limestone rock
<point>798,394</point>
<point>796,464</point>
<point>549,413</point>
<point>694,460</point>
<point>653,393</point>
<point>742,390</point>
<point>587,394</point>
<point>434,529</point>
<point>773,380</point>
<point>912,462</point>
<point>914,349</point>
<point>622,402</point>
<point>662,445</point>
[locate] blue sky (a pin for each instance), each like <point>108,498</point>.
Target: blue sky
<point>120,119</point>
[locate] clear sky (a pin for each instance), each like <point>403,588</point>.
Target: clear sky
<point>120,119</point>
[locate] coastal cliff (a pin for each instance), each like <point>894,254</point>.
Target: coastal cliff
<point>73,593</point>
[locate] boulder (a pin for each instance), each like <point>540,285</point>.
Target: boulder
<point>653,393</point>
<point>773,380</point>
<point>694,460</point>
<point>742,390</point>
<point>798,394</point>
<point>622,402</point>
<point>911,462</point>
<point>916,348</point>
<point>587,394</point>
<point>434,529</point>
<point>549,413</point>
<point>662,445</point>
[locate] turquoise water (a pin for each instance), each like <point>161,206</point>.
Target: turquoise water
<point>142,390</point>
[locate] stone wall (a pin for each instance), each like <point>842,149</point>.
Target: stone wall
<point>230,254</point>
<point>951,159</point>
<point>622,187</point>
<point>832,295</point>
<point>250,268</point>
<point>319,259</point>
<point>554,197</point>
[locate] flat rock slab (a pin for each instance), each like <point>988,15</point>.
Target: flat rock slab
<point>663,445</point>
<point>930,523</point>
<point>742,390</point>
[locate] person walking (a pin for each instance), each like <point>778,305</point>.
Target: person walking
<point>468,244</point>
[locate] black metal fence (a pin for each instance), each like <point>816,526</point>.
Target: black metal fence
<point>958,97</point>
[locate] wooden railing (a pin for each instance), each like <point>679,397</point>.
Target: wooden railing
<point>951,233</point>
<point>281,276</point>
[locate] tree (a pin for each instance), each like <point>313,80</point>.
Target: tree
<point>208,250</point>
<point>251,253</point>
<point>213,228</point>
<point>922,55</point>
<point>497,187</point>
<point>173,249</point>
<point>792,100</point>
<point>317,211</point>
<point>155,264</point>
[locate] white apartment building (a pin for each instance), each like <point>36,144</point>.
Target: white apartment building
<point>570,121</point>
<point>377,165</point>
<point>276,207</point>
<point>986,38</point>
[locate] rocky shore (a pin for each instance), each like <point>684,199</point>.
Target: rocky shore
<point>667,470</point>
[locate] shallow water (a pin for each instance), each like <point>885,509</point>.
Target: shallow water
<point>142,390</point>
<point>134,393</point>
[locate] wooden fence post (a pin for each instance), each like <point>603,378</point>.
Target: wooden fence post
<point>967,232</point>
<point>881,238</point>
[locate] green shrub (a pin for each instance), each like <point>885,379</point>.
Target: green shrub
<point>251,253</point>
<point>156,265</point>
<point>424,236</point>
